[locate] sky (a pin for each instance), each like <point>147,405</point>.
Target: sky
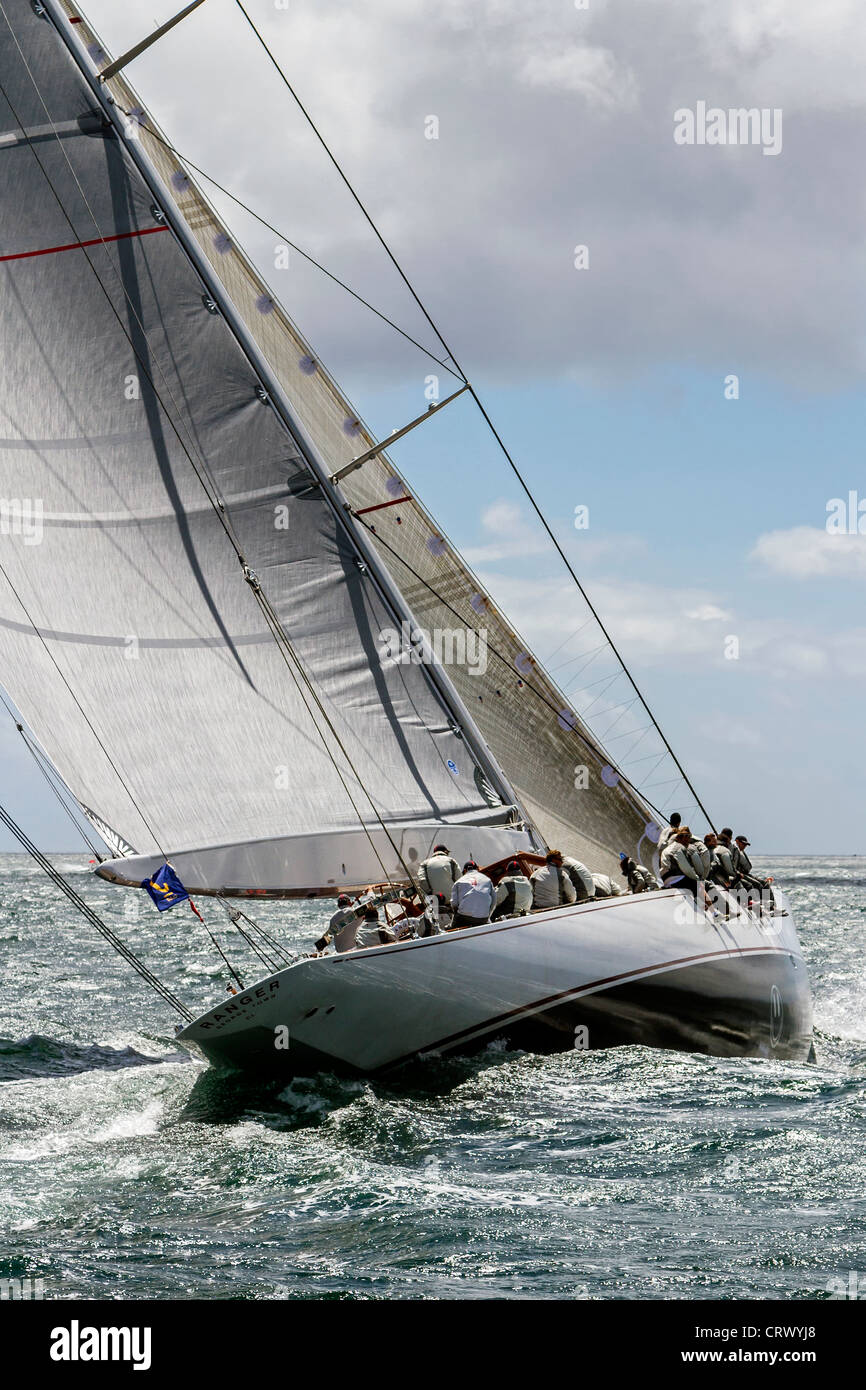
<point>609,379</point>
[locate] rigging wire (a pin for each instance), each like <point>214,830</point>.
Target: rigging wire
<point>77,702</point>
<point>216,945</point>
<point>46,768</point>
<point>382,242</point>
<point>49,772</point>
<point>477,399</point>
<point>526,682</point>
<point>271,961</point>
<point>263,221</point>
<point>238,912</point>
<point>95,920</point>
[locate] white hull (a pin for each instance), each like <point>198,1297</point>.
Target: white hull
<point>648,969</point>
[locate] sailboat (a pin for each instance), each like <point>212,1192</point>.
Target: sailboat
<point>195,636</point>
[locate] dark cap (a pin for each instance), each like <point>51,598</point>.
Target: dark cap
<point>470,864</point>
<point>441,849</point>
<point>513,867</point>
<point>741,840</point>
<point>343,900</point>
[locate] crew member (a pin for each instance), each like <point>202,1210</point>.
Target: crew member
<point>580,877</point>
<point>669,831</point>
<point>372,931</point>
<point>677,869</point>
<point>724,853</point>
<point>472,897</point>
<point>605,886</point>
<point>513,893</point>
<point>744,866</point>
<point>639,878</point>
<point>718,870</point>
<point>551,885</point>
<point>701,856</point>
<point>439,873</point>
<point>342,926</point>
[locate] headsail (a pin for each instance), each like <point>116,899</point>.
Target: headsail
<point>137,430</point>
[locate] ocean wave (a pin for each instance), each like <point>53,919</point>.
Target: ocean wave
<point>36,1056</point>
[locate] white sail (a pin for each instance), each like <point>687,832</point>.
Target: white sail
<point>133,427</point>
<point>561,775</point>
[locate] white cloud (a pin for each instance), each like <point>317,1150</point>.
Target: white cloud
<point>708,613</point>
<point>592,73</point>
<point>806,552</point>
<point>555,129</point>
<point>651,625</point>
<point>502,516</point>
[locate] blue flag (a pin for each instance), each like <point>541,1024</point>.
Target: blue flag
<point>165,888</point>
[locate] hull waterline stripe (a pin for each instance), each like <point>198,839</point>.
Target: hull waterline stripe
<point>525,1010</point>
<point>79,245</point>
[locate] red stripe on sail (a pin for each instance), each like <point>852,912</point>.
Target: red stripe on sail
<point>362,511</point>
<point>77,245</point>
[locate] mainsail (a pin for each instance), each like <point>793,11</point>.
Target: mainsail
<point>564,778</point>
<point>156,689</point>
<point>167,493</point>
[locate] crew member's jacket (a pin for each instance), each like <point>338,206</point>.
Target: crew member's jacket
<point>513,896</point>
<point>438,874</point>
<point>666,836</point>
<point>473,895</point>
<point>723,858</point>
<point>743,865</point>
<point>742,861</point>
<point>372,934</point>
<point>641,879</point>
<point>342,928</point>
<point>580,877</point>
<point>701,858</point>
<point>551,887</point>
<point>348,930</point>
<point>675,862</point>
<point>605,886</point>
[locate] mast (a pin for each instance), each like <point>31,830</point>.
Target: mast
<point>435,673</point>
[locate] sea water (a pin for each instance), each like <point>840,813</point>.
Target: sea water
<point>130,1171</point>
